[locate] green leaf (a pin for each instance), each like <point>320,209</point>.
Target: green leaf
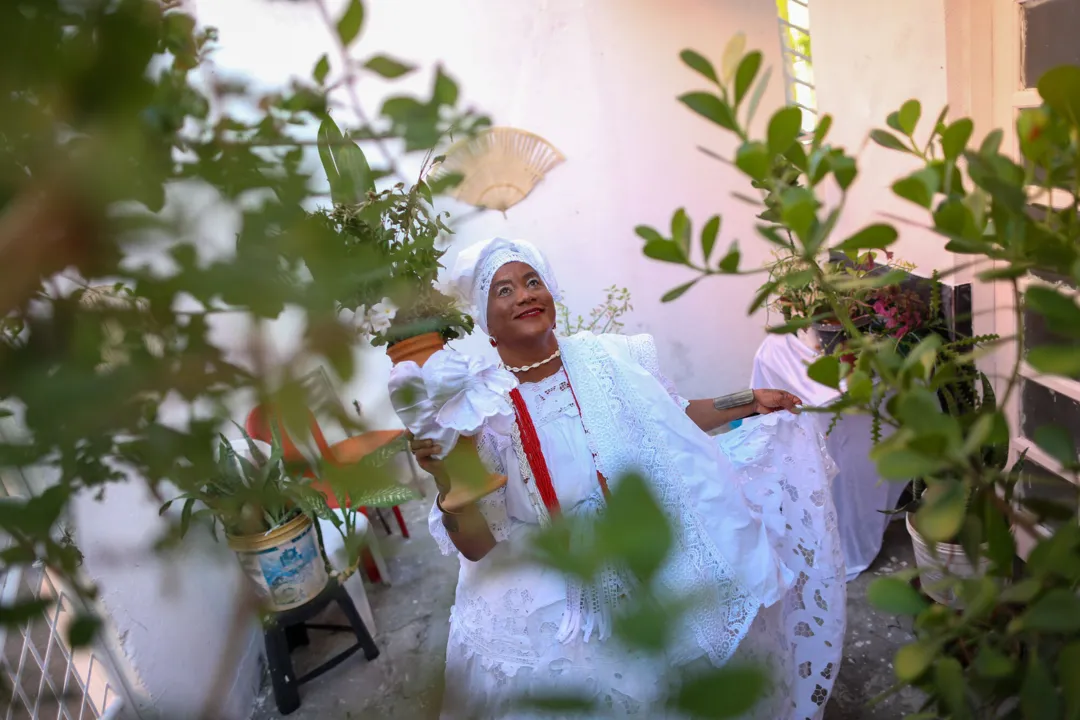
<point>825,370</point>
<point>1056,359</point>
<point>699,64</point>
<point>346,166</point>
<point>681,230</point>
<point>896,597</point>
<point>886,139</point>
<point>185,516</point>
<point>348,27</point>
<point>844,170</point>
<point>955,138</point>
<point>648,234</point>
<point>822,129</point>
<point>759,92</point>
<point>709,234</point>
<point>388,67</point>
<point>949,679</point>
<point>1058,611</point>
<point>904,464</point>
<point>1069,677</point>
<point>784,128</point>
<point>646,626</point>
<point>82,630</point>
<point>1001,544</point>
<point>676,293</point>
<point>664,251</point>
<point>744,76</point>
<point>445,90</point>
<point>322,69</point>
<point>710,107</point>
<point>792,326</point>
<point>559,704</point>
<point>991,144</point>
<point>872,237</point>
<point>1057,442</point>
<point>633,529</point>
<point>753,158</point>
<point>918,187</point>
<point>1021,593</point>
<point>762,296</point>
<point>23,611</point>
<point>993,664</point>
<point>729,264</point>
<point>1059,309</point>
<point>798,208</point>
<point>942,513</point>
<point>860,387</point>
<point>1038,694</point>
<point>727,692</point>
<point>909,115</point>
<point>913,660</point>
<point>733,52</point>
<point>1060,88</point>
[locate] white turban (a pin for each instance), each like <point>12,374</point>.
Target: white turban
<point>477,264</point>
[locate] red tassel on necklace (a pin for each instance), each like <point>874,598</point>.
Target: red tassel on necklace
<point>530,442</point>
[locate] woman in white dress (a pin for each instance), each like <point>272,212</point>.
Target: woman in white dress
<point>753,526</point>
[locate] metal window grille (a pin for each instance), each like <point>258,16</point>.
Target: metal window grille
<point>794,22</point>
<point>40,675</point>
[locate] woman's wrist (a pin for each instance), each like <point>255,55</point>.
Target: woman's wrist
<point>742,400</point>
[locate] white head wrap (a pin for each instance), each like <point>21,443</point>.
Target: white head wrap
<point>477,264</point>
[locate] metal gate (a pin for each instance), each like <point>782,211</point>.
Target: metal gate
<point>40,675</point>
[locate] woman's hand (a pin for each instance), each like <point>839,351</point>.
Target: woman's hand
<point>425,452</point>
<point>768,401</point>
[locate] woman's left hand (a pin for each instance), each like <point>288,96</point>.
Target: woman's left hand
<point>768,401</point>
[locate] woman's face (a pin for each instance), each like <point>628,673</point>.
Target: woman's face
<point>520,307</point>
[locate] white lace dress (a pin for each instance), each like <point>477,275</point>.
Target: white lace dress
<point>507,613</point>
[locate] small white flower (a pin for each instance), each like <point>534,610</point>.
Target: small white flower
<point>381,315</point>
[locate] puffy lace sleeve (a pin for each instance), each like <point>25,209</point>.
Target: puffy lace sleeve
<point>492,507</point>
<point>643,350</point>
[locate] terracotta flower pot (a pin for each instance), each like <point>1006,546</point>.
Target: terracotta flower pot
<point>418,348</point>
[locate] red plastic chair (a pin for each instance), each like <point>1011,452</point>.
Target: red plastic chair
<point>346,452</point>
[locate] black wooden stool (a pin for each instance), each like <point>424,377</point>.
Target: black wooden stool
<point>285,630</point>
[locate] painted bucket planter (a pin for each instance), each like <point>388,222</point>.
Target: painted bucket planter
<point>286,563</point>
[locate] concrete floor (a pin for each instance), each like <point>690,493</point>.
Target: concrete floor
<point>405,681</point>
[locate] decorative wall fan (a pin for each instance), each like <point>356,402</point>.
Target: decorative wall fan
<point>499,167</point>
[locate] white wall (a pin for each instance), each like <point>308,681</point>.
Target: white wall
<point>869,58</point>
<point>598,79</point>
<point>174,613</point>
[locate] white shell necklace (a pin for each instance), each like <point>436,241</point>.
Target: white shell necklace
<point>527,368</point>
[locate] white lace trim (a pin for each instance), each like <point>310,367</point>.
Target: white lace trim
<point>643,350</point>
<point>549,399</point>
<point>625,437</point>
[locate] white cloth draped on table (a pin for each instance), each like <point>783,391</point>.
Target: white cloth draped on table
<point>858,491</point>
<point>755,534</point>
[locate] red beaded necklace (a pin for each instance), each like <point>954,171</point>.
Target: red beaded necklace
<point>530,443</point>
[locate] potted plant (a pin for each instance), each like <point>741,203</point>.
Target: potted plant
<point>388,244</point>
<point>855,297</point>
<point>968,399</point>
<point>267,518</point>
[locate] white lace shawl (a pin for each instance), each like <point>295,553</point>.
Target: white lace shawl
<point>633,426</point>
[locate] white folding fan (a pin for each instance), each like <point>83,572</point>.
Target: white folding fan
<point>499,167</point>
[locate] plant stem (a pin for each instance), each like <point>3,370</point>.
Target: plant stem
<point>350,78</point>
